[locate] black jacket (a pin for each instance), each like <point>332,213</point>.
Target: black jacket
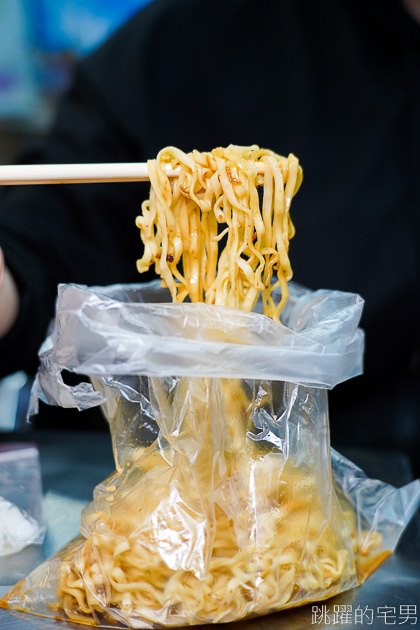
<point>335,81</point>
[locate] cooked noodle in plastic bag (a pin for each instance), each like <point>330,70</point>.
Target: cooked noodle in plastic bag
<point>224,502</point>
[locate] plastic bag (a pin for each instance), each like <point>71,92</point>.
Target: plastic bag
<point>21,517</point>
<point>224,503</point>
<point>132,329</point>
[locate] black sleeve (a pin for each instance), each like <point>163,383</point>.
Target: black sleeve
<point>117,110</point>
<point>77,233</point>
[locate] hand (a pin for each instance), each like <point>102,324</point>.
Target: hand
<point>9,298</point>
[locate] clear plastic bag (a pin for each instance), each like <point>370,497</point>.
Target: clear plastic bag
<point>224,502</point>
<point>21,515</point>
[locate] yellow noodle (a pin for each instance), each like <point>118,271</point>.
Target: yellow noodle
<point>216,194</point>
<point>266,551</point>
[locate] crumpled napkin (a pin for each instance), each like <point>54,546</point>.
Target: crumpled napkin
<point>17,528</point>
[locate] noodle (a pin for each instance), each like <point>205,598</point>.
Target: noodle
<point>238,532</point>
<point>258,577</point>
<point>206,233</point>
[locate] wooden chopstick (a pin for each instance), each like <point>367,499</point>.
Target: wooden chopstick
<point>78,173</point>
<point>75,173</point>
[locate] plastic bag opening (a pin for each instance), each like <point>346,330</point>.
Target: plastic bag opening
<point>115,330</point>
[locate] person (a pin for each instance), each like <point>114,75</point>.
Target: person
<point>335,82</point>
<point>9,298</point>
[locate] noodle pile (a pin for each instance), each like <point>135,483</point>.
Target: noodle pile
<point>207,233</point>
<point>241,531</point>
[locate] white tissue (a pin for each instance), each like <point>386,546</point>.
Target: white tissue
<point>17,528</point>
